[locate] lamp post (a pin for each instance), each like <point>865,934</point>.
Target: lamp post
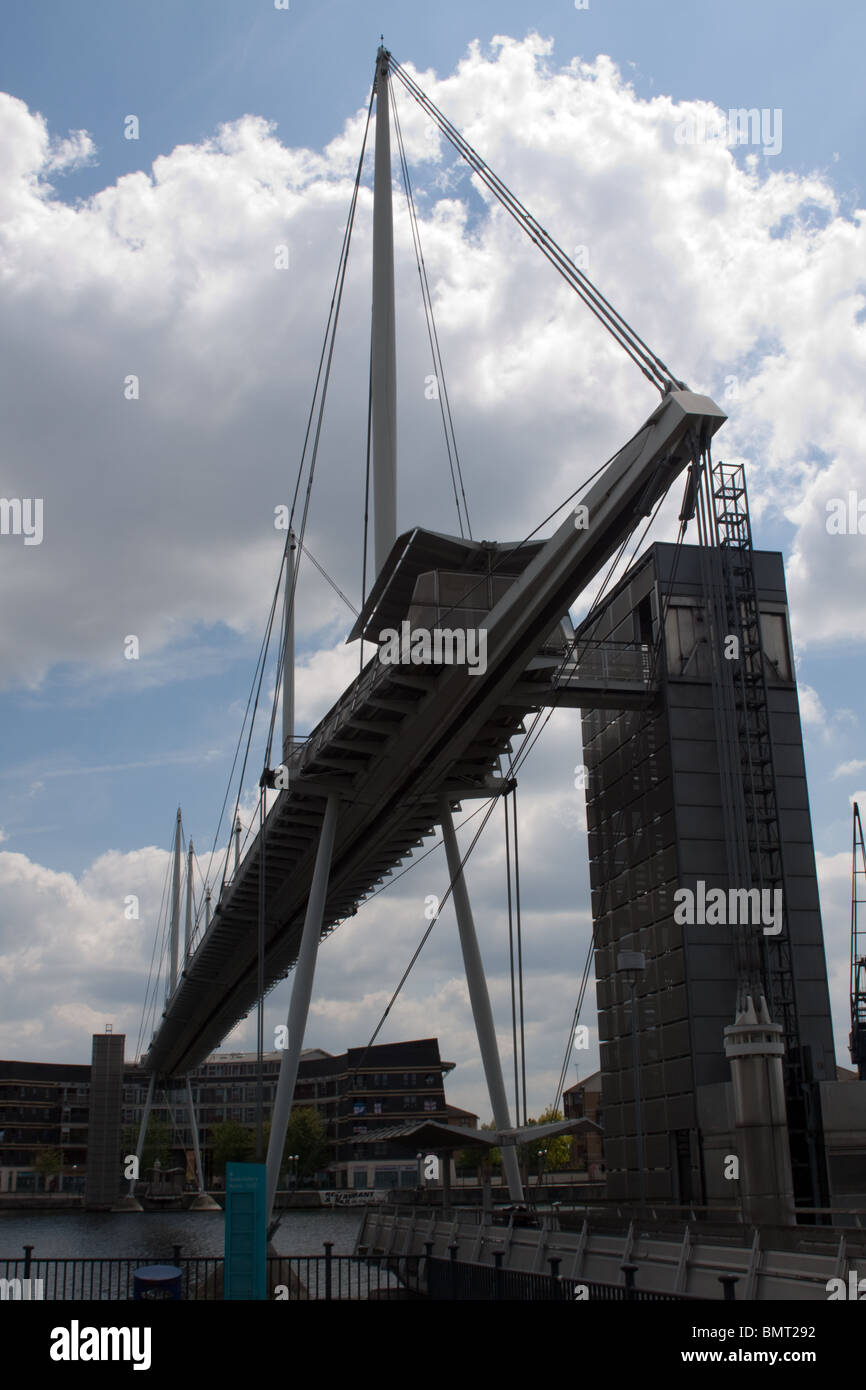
<point>631,965</point>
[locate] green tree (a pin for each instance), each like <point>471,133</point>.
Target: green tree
<point>231,1142</point>
<point>482,1162</point>
<point>547,1155</point>
<point>49,1163</point>
<point>305,1136</point>
<point>157,1144</point>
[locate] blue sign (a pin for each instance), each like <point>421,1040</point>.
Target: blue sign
<point>245,1231</point>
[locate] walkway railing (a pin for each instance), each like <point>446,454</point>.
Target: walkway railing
<point>462,1281</point>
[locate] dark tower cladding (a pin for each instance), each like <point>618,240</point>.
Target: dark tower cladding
<point>660,787</point>
<point>104,1170</point>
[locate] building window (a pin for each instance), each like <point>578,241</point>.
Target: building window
<point>359,1178</point>
<point>377,1107</point>
<point>410,1102</point>
<point>430,1105</point>
<point>686,640</point>
<point>386,1177</point>
<point>774,641</point>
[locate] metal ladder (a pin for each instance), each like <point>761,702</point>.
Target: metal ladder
<point>733,536</point>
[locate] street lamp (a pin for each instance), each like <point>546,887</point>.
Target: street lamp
<point>631,965</point>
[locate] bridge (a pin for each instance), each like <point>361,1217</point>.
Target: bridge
<point>408,742</point>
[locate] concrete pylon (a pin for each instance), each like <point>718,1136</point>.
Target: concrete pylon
<point>754,1047</point>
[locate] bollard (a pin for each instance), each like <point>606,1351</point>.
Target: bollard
<point>157,1283</point>
<point>629,1272</point>
<point>498,1277</point>
<point>554,1261</point>
<point>727,1282</point>
<point>329,1245</point>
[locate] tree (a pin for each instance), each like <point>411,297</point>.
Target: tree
<point>479,1161</point>
<point>231,1142</point>
<point>49,1163</point>
<point>305,1136</point>
<point>547,1155</point>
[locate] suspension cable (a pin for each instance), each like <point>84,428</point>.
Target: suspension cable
<point>652,366</point>
<point>319,395</point>
<point>432,335</point>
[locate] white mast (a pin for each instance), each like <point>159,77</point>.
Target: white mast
<point>289,652</point>
<point>383,349</point>
<point>187,933</point>
<point>175,911</point>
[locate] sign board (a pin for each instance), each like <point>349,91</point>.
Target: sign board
<point>245,1231</point>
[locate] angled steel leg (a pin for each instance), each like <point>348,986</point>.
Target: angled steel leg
<point>480,1000</point>
<point>142,1128</point>
<point>299,1007</point>
<point>194,1127</point>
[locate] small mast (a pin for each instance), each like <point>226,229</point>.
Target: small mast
<point>383,342</point>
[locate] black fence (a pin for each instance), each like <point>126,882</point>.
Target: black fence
<point>293,1278</point>
<point>343,1278</point>
<point>317,1278</point>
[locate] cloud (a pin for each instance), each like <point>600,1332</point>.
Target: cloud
<point>853,765</point>
<point>811,709</point>
<point>169,275</point>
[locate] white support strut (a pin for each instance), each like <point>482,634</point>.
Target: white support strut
<point>480,1000</point>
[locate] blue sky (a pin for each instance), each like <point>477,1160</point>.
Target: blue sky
<point>731,269</point>
<point>187,67</point>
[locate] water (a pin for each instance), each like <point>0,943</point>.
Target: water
<point>71,1234</point>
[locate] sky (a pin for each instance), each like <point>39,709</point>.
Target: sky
<point>152,159</point>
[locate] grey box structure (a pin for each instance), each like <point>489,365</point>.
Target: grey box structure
<point>104,1174</point>
<point>654,815</point>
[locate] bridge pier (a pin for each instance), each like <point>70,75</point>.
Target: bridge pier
<point>302,990</point>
